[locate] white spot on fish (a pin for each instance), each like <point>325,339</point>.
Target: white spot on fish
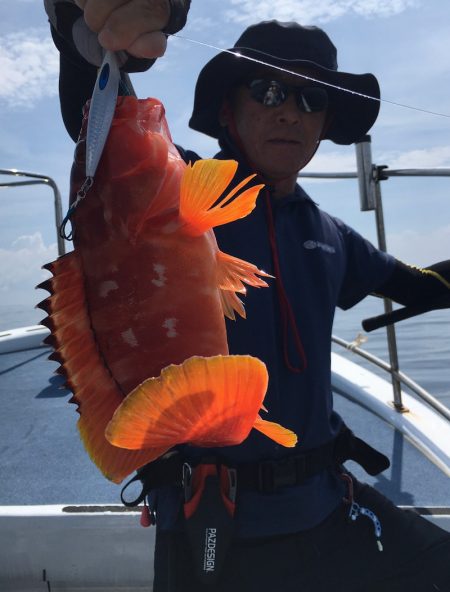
<point>129,337</point>
<point>107,287</point>
<point>208,290</point>
<point>160,271</point>
<point>169,324</point>
<point>170,227</point>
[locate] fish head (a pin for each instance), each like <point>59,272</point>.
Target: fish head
<point>139,171</point>
<point>139,134</point>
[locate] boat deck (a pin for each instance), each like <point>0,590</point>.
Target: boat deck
<point>62,528</point>
<point>43,461</point>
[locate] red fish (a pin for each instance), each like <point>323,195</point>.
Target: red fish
<point>137,310</point>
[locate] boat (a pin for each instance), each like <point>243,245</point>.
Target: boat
<point>61,526</point>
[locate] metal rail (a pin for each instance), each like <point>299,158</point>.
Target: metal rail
<point>386,173</point>
<point>401,377</point>
<point>36,179</point>
<point>328,175</point>
<point>417,172</point>
<point>369,178</point>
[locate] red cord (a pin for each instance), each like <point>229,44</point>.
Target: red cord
<point>287,314</point>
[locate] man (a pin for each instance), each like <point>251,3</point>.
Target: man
<point>291,528</point>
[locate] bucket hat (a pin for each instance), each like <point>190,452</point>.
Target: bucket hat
<point>288,45</point>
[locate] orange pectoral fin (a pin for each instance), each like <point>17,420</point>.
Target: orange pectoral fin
<point>202,186</point>
<point>231,304</point>
<point>276,432</point>
<point>232,274</point>
<point>204,401</point>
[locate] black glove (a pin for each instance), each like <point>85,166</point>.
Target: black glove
<point>421,290</point>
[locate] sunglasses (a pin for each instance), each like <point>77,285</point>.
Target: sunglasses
<point>271,93</point>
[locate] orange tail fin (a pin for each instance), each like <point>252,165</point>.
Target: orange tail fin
<point>202,186</point>
<point>95,392</point>
<point>204,401</point>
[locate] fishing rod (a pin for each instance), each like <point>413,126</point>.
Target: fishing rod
<point>404,313</point>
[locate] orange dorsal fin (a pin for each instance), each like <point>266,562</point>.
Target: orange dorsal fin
<point>95,392</point>
<point>276,432</point>
<point>232,274</point>
<point>204,401</point>
<point>202,206</point>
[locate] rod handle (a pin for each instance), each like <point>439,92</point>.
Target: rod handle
<point>406,312</point>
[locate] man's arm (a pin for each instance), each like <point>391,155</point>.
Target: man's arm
<point>411,285</point>
<point>83,29</point>
<point>370,271</point>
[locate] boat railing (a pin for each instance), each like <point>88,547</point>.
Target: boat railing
<point>415,388</point>
<point>369,176</point>
<point>36,179</point>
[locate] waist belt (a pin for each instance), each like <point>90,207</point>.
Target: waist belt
<point>269,475</point>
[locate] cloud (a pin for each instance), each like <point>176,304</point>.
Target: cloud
<point>309,11</point>
<point>435,157</point>
<point>333,161</point>
<point>420,248</point>
<point>20,269</point>
<point>198,23</point>
<point>344,161</point>
<point>29,67</point>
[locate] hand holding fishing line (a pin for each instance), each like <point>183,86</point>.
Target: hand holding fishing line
<point>121,25</point>
<point>133,26</point>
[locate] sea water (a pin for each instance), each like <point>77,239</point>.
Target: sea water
<point>423,344</point>
<point>423,341</point>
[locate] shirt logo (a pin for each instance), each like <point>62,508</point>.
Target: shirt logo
<point>312,244</point>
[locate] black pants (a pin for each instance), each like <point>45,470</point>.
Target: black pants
<point>338,555</point>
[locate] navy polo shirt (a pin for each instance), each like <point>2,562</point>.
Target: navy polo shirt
<point>323,264</point>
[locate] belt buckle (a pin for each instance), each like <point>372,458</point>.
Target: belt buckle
<point>275,474</point>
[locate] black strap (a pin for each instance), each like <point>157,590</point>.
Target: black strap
<point>350,447</point>
<point>270,475</point>
<point>165,471</point>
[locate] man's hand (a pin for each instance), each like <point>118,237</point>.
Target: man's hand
<point>131,25</point>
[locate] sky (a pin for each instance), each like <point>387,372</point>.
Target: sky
<point>405,43</point>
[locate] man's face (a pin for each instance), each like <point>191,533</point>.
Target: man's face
<point>280,140</point>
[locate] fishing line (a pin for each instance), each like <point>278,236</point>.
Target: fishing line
<point>305,76</point>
